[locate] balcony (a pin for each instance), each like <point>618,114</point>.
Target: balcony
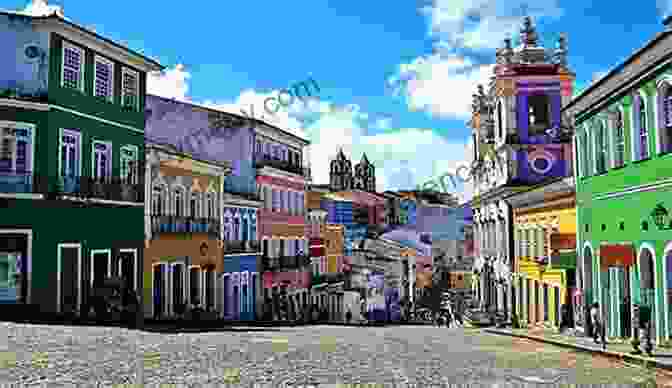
<point>244,195</point>
<point>22,182</point>
<point>240,246</point>
<point>104,188</point>
<point>360,216</point>
<point>180,224</point>
<point>270,263</point>
<point>269,161</point>
<point>241,186</point>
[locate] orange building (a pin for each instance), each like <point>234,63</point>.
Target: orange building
<point>183,251</point>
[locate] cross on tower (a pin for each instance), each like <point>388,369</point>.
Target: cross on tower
<point>523,9</point>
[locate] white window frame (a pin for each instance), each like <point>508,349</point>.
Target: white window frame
<point>662,85</point>
<point>33,135</point>
<point>173,199</point>
<point>603,142</point>
<point>200,285</point>
<point>198,209</point>
<point>109,263</point>
<point>635,137</point>
<point>104,61</point>
<point>135,149</point>
<point>185,292</point>
<point>210,205</point>
<point>125,71</point>
<point>61,132</point>
<point>165,301</point>
<point>614,140</point>
<point>59,265</point>
<point>82,64</point>
<point>166,198</point>
<point>135,265</point>
<point>93,157</point>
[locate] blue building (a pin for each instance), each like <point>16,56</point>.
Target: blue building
<point>340,211</point>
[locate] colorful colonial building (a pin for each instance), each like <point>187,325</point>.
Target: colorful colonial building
<point>183,250</point>
<point>72,135</point>
<point>624,150</point>
<point>218,137</point>
<point>518,142</point>
<point>282,179</point>
<point>545,251</point>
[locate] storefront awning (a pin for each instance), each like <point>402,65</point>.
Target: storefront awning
<point>617,255</point>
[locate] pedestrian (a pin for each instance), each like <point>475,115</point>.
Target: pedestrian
<point>595,320</point>
<point>348,315</point>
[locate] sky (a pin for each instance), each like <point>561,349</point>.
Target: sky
<point>395,81</point>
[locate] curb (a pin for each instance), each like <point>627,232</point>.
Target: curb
<point>647,362</point>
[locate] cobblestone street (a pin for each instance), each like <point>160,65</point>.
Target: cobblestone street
<point>406,356</point>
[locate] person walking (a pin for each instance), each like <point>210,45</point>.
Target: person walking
<point>596,321</point>
<point>348,315</point>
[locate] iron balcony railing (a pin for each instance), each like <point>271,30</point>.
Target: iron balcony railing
<point>270,263</point>
<point>106,188</point>
<point>241,246</point>
<point>269,161</point>
<point>22,182</point>
<point>181,224</point>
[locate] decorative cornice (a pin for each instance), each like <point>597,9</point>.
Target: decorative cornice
<point>95,42</point>
<point>15,103</point>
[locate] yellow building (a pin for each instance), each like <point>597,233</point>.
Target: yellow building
<point>334,240</point>
<point>545,243</point>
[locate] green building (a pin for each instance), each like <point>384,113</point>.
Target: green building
<point>71,163</point>
<point>623,144</point>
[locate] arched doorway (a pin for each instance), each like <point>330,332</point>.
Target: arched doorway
<point>587,291</point>
<point>668,286</point>
<point>647,286</point>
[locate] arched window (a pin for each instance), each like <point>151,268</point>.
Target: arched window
<point>236,226</point>
<point>641,138</point>
<point>500,121</point>
<point>245,227</point>
<point>178,196</point>
<point>585,154</point>
<point>600,147</point>
<point>539,117</point>
<point>228,226</point>
<point>275,204</point>
<point>193,205</point>
<point>210,205</point>
<point>619,140</point>
<point>158,200</point>
<point>665,117</point>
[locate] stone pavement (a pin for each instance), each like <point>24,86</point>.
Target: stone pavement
<point>618,348</point>
<point>398,356</point>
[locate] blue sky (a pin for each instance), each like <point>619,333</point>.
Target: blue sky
<point>395,81</point>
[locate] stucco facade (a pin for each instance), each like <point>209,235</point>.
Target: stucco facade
<point>519,142</point>
<point>623,154</point>
<point>76,154</point>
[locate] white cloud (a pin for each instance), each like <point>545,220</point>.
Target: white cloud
<point>329,127</point>
<point>442,86</point>
<point>482,24</point>
<point>442,83</point>
<point>172,83</point>
<point>41,8</point>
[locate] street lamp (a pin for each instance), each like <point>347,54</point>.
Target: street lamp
<point>661,217</point>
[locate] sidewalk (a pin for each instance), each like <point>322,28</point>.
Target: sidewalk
<point>662,357</point>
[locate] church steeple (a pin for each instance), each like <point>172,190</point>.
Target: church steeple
<point>365,175</point>
<point>340,173</point>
